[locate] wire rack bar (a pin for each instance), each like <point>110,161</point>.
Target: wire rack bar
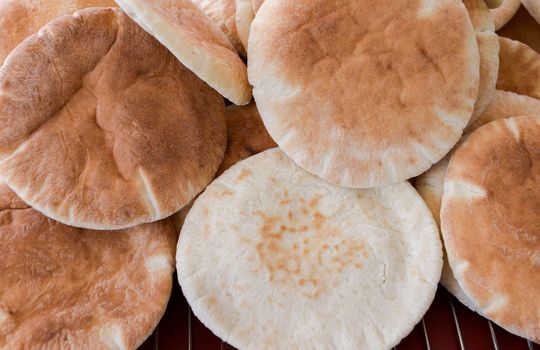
<point>426,337</point>
<point>493,336</point>
<point>190,337</point>
<point>456,321</point>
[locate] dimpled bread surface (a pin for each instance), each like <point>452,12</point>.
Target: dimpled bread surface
<point>268,242</point>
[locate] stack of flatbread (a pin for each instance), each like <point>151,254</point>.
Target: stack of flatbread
<point>312,169</point>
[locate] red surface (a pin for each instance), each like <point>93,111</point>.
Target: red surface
<point>440,323</point>
<point>438,327</point>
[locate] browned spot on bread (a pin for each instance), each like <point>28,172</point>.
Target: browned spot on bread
<point>227,193</point>
<point>285,201</point>
<point>244,174</point>
<point>302,246</point>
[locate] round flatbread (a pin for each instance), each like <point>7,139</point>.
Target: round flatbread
<point>505,12</point>
<point>341,107</point>
<point>103,127</point>
<point>268,242</point>
<point>519,68</point>
<point>223,14</point>
<point>430,184</point>
<point>490,216</point>
<point>184,29</point>
<point>21,18</point>
<point>533,7</point>
<point>523,28</point>
<point>67,288</point>
<point>257,5</point>
<point>493,4</point>
<point>246,136</point>
<point>507,104</point>
<point>244,17</point>
<point>488,47</point>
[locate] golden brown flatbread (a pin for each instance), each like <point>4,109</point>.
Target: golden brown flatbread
<point>63,287</point>
<point>377,99</point>
<point>21,18</point>
<point>489,218</point>
<point>103,127</point>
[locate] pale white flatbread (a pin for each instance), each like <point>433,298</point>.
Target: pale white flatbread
<point>272,257</point>
<point>244,17</point>
<point>223,14</point>
<point>183,28</point>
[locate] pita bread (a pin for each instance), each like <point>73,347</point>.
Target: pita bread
<point>399,119</point>
<point>505,12</point>
<point>246,136</point>
<point>244,17</point>
<point>223,14</point>
<point>488,47</point>
<point>493,4</point>
<point>184,29</point>
<point>430,184</point>
<point>533,7</point>
<point>268,242</point>
<point>67,288</point>
<point>257,5</point>
<point>523,28</point>
<point>489,219</point>
<point>519,68</point>
<point>507,104</point>
<point>21,18</point>
<point>87,141</point>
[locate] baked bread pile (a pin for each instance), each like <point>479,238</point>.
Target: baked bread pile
<point>311,169</point>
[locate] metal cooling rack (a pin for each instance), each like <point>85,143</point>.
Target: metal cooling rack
<point>448,325</point>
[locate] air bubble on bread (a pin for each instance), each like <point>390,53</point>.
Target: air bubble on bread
<point>158,262</point>
<point>460,267</point>
<point>113,336</point>
<point>149,195</point>
<point>424,152</point>
<point>495,304</point>
<point>4,316</point>
<point>429,7</point>
<point>465,189</point>
<point>513,127</point>
<point>448,119</point>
